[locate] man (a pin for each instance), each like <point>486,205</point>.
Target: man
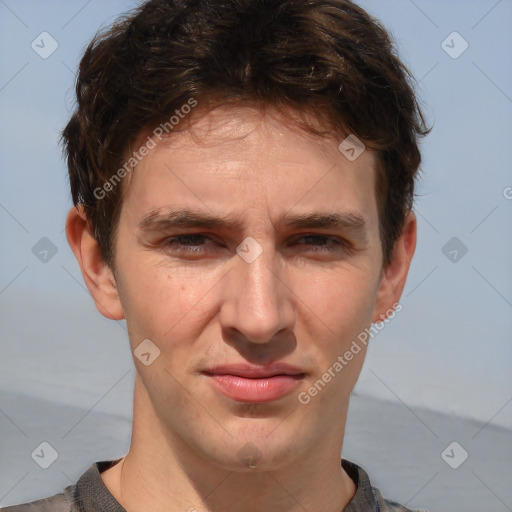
<point>243,175</point>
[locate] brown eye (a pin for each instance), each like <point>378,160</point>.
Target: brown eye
<point>324,243</point>
<point>187,243</point>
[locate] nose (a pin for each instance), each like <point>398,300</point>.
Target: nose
<point>257,299</point>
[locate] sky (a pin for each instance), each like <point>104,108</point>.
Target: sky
<point>449,349</point>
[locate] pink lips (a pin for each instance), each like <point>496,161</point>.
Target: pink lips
<point>246,383</point>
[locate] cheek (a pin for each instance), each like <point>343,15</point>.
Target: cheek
<point>340,308</point>
<point>342,300</point>
<point>163,302</point>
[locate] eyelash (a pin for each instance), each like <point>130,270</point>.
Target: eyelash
<point>337,244</point>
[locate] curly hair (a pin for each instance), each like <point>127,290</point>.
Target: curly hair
<point>328,58</point>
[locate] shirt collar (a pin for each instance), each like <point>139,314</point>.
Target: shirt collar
<point>94,496</point>
<point>363,500</point>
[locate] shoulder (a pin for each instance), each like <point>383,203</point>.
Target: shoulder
<point>369,498</point>
<point>62,502</point>
<point>390,505</point>
<point>87,494</point>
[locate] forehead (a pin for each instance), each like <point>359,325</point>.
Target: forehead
<point>241,159</point>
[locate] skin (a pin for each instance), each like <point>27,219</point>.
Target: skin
<point>296,303</point>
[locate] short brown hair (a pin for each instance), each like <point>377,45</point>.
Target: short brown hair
<point>326,57</point>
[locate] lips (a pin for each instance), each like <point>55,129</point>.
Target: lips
<point>248,383</point>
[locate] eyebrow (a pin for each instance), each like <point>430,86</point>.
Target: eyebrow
<point>164,220</point>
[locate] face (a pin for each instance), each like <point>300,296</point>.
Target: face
<point>251,307</point>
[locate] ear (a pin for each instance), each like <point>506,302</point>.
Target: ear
<point>395,274</point>
<point>97,275</point>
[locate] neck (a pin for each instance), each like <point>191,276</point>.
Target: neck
<point>161,472</point>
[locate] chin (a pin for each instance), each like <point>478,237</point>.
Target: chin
<point>250,453</point>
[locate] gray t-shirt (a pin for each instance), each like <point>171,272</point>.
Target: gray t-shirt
<point>89,494</point>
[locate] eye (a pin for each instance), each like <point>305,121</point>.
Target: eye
<point>196,244</point>
<point>326,243</point>
<point>187,243</point>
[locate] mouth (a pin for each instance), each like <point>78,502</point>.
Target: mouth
<point>256,384</point>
